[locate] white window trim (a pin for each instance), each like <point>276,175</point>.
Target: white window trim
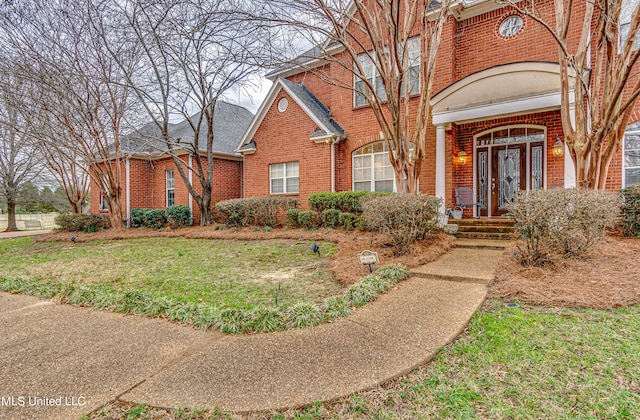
<point>372,78</point>
<point>624,150</point>
<point>167,189</point>
<point>372,179</point>
<point>284,179</point>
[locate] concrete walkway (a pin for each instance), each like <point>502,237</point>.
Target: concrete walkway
<point>60,361</point>
<point>22,233</point>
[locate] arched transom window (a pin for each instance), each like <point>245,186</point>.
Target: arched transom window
<point>372,170</point>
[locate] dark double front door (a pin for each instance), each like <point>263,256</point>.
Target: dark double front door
<point>504,170</point>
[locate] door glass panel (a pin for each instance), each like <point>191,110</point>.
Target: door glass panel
<point>483,179</point>
<point>508,176</point>
<point>536,168</point>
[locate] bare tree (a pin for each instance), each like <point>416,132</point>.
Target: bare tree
<point>607,83</point>
<point>389,47</point>
<point>19,161</point>
<point>80,87</point>
<point>195,52</point>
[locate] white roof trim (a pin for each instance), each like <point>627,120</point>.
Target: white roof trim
<point>266,104</point>
<point>511,107</point>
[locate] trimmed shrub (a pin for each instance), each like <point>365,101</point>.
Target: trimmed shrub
<point>344,201</point>
<point>403,218</point>
<point>631,211</point>
<point>83,222</point>
<point>360,293</point>
<point>349,221</point>
<point>303,314</point>
<point>179,217</point>
<point>330,218</point>
<point>174,217</point>
<point>292,217</point>
<point>336,307</point>
<point>154,219</point>
<point>561,223</point>
<point>308,219</point>
<point>255,211</point>
<point>137,218</point>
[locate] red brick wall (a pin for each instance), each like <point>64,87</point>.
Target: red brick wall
<point>148,184</point>
<point>284,137</point>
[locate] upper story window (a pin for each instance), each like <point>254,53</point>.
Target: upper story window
<point>371,74</point>
<point>171,201</point>
<point>284,178</point>
<point>628,6</point>
<point>631,156</point>
<point>372,170</point>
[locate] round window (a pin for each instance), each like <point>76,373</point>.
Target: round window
<point>283,104</point>
<point>511,25</point>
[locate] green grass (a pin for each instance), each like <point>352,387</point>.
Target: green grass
<point>228,273</point>
<point>523,363</point>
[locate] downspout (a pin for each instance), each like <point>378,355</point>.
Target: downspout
<point>190,182</point>
<point>128,189</point>
<point>333,165</point>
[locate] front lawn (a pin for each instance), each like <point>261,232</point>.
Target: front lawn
<point>228,273</point>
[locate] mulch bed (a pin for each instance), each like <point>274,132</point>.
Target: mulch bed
<point>605,278</point>
<point>344,263</point>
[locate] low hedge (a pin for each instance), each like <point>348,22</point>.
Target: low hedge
<point>255,211</point>
<point>173,217</point>
<point>83,222</point>
<point>631,211</point>
<point>344,201</point>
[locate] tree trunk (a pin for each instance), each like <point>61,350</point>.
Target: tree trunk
<point>115,212</point>
<point>11,213</point>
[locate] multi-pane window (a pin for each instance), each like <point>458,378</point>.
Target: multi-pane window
<point>104,202</point>
<point>284,177</point>
<point>371,74</point>
<point>632,155</point>
<point>372,170</point>
<point>628,6</point>
<point>170,188</point>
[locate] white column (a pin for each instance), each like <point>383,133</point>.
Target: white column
<point>333,165</point>
<point>190,182</point>
<point>441,171</point>
<point>127,171</point>
<point>569,167</point>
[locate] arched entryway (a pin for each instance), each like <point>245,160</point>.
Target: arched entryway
<point>507,160</point>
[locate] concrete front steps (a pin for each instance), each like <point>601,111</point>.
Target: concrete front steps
<point>485,228</point>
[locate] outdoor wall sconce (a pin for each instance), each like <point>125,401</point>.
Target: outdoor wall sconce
<point>462,157</point>
<point>557,150</point>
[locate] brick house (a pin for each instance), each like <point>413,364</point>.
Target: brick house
<point>496,99</point>
<point>150,179</point>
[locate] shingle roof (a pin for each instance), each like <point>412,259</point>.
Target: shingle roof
<point>304,97</point>
<point>229,124</point>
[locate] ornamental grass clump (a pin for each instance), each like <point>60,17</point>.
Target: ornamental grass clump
<point>206,316</point>
<point>360,293</point>
<point>403,218</point>
<point>265,319</point>
<point>393,273</point>
<point>379,284</point>
<point>232,320</point>
<point>336,307</point>
<point>561,223</point>
<point>303,314</point>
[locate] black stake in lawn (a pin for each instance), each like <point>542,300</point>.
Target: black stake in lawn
<point>73,239</point>
<point>315,248</point>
